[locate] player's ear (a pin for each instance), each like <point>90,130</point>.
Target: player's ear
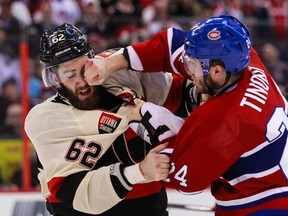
<point>218,70</point>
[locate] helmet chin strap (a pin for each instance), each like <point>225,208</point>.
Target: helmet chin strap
<point>212,87</point>
<point>90,54</point>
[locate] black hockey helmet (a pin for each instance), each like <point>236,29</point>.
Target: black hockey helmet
<point>60,44</point>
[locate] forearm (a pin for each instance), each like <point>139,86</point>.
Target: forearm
<point>97,191</point>
<point>116,62</point>
<point>100,67</point>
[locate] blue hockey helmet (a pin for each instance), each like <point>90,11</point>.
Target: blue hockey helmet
<point>219,38</point>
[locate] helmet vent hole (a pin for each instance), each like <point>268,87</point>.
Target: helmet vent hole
<point>239,44</point>
<point>231,34</point>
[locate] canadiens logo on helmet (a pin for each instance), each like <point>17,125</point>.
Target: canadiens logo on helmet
<point>214,34</point>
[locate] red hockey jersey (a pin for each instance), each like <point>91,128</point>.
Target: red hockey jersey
<point>236,142</point>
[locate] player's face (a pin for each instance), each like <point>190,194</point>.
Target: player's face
<point>75,88</point>
<point>202,88</point>
<point>195,69</point>
<point>71,75</point>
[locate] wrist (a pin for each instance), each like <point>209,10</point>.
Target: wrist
<point>139,166</point>
<point>134,174</point>
<point>116,63</point>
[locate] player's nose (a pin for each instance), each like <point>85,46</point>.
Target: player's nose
<point>81,81</point>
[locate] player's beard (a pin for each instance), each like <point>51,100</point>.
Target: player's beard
<point>205,84</point>
<point>200,85</point>
<point>90,103</point>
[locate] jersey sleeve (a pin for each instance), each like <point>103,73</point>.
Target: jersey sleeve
<point>164,89</point>
<point>69,143</point>
<point>161,88</point>
<point>91,191</point>
<point>161,53</point>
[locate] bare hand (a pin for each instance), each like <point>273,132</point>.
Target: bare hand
<point>96,71</point>
<point>132,112</point>
<point>155,166</point>
<point>99,68</point>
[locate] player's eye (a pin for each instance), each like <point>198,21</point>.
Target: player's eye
<point>69,75</point>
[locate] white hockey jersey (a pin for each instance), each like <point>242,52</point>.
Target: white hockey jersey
<point>69,143</point>
<point>51,126</point>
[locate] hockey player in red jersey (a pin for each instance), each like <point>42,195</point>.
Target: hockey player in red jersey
<point>89,160</point>
<point>236,142</point>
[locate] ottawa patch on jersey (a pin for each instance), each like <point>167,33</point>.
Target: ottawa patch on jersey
<point>108,123</point>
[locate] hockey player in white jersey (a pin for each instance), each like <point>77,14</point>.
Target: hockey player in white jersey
<point>87,164</point>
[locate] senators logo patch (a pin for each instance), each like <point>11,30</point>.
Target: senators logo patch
<point>108,123</point>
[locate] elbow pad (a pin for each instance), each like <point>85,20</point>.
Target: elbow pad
<point>120,183</point>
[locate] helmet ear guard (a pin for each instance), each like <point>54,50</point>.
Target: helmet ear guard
<point>47,77</point>
<point>223,38</point>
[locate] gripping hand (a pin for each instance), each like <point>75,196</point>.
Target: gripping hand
<point>157,123</point>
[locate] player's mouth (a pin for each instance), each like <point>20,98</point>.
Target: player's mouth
<point>85,93</point>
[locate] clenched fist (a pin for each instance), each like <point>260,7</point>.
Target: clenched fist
<point>155,166</point>
<point>99,68</point>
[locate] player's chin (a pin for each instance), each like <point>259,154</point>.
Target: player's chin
<point>201,88</point>
<point>85,95</point>
<point>89,103</point>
